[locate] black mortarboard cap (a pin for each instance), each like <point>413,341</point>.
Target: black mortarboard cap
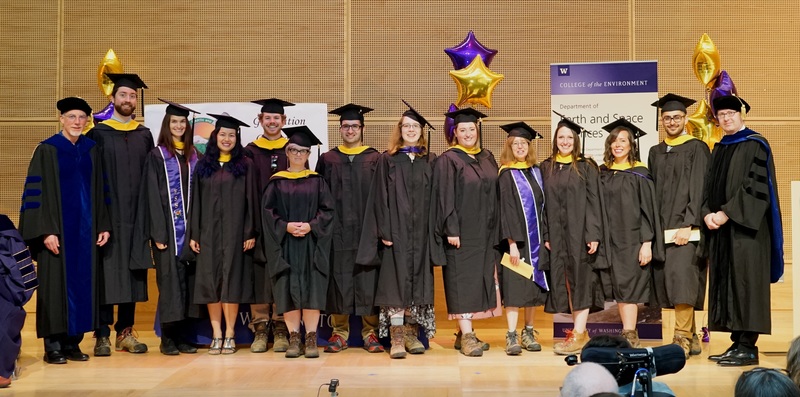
<point>302,136</point>
<point>569,123</point>
<point>522,130</point>
<point>414,114</point>
<point>273,105</point>
<point>670,102</point>
<point>351,111</point>
<point>130,80</point>
<point>72,103</point>
<point>623,122</point>
<point>731,102</point>
<point>177,109</point>
<point>228,121</point>
<point>466,115</point>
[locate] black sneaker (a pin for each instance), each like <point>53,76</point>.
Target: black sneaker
<point>168,347</point>
<point>186,348</point>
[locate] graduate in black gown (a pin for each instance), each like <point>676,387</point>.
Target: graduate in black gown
<point>745,235</point>
<point>123,145</point>
<point>348,169</point>
<point>572,193</point>
<point>632,223</point>
<point>523,229</point>
<point>269,156</point>
<point>396,236</point>
<point>298,220</point>
<point>224,224</point>
<point>466,228</point>
<point>17,283</point>
<point>162,225</point>
<point>678,165</point>
<point>64,220</point>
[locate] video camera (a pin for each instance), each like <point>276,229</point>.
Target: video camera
<point>624,363</point>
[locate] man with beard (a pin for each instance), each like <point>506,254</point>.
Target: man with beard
<point>678,165</point>
<point>269,157</point>
<point>745,233</point>
<point>349,169</point>
<point>64,219</point>
<point>123,144</point>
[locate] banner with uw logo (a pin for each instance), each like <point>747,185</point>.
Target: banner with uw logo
<point>312,115</point>
<point>593,95</point>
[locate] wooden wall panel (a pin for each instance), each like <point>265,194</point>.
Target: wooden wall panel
<point>28,59</point>
<point>17,142</point>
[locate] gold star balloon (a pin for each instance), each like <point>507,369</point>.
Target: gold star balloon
<point>475,83</point>
<point>109,64</point>
<point>706,61</point>
<point>702,126</point>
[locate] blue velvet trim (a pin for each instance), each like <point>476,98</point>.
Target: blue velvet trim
<point>33,179</point>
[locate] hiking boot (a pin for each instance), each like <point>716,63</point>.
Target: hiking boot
<point>411,340</point>
<point>457,344</point>
<point>336,344</point>
<point>260,341</point>
<point>372,345</point>
<point>632,336</point>
<point>683,342</point>
<point>512,343</point>
<point>168,347</point>
<point>184,347</point>
<point>311,345</point>
<point>470,346</point>
<point>102,347</point>
<point>126,340</point>
<point>529,341</point>
<point>695,348</point>
<point>280,337</point>
<point>572,344</point>
<point>295,349</point>
<point>398,349</point>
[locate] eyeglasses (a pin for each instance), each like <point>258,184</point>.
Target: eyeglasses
<point>520,144</point>
<point>668,119</point>
<point>347,127</point>
<point>725,115</point>
<point>72,117</point>
<point>411,126</point>
<point>295,151</point>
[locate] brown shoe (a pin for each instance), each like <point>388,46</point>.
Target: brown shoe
<point>470,346</point>
<point>694,347</point>
<point>102,347</point>
<point>683,342</point>
<point>398,349</point>
<point>411,340</point>
<point>260,342</point>
<point>512,344</point>
<point>280,337</point>
<point>529,341</point>
<point>632,336</point>
<point>573,344</point>
<point>457,344</point>
<point>311,345</point>
<point>126,340</point>
<point>295,348</point>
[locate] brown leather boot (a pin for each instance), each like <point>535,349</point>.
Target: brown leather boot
<point>295,348</point>
<point>470,346</point>
<point>398,349</point>
<point>259,344</point>
<point>412,343</point>
<point>632,335</point>
<point>280,337</point>
<point>573,344</point>
<point>311,345</point>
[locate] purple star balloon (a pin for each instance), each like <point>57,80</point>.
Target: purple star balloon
<point>450,124</point>
<point>722,87</point>
<point>464,53</point>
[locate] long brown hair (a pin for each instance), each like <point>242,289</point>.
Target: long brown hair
<point>507,155</point>
<point>608,157</point>
<point>576,152</point>
<point>396,139</point>
<point>165,137</point>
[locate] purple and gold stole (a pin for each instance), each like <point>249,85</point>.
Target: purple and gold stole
<point>172,169</point>
<point>528,201</point>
